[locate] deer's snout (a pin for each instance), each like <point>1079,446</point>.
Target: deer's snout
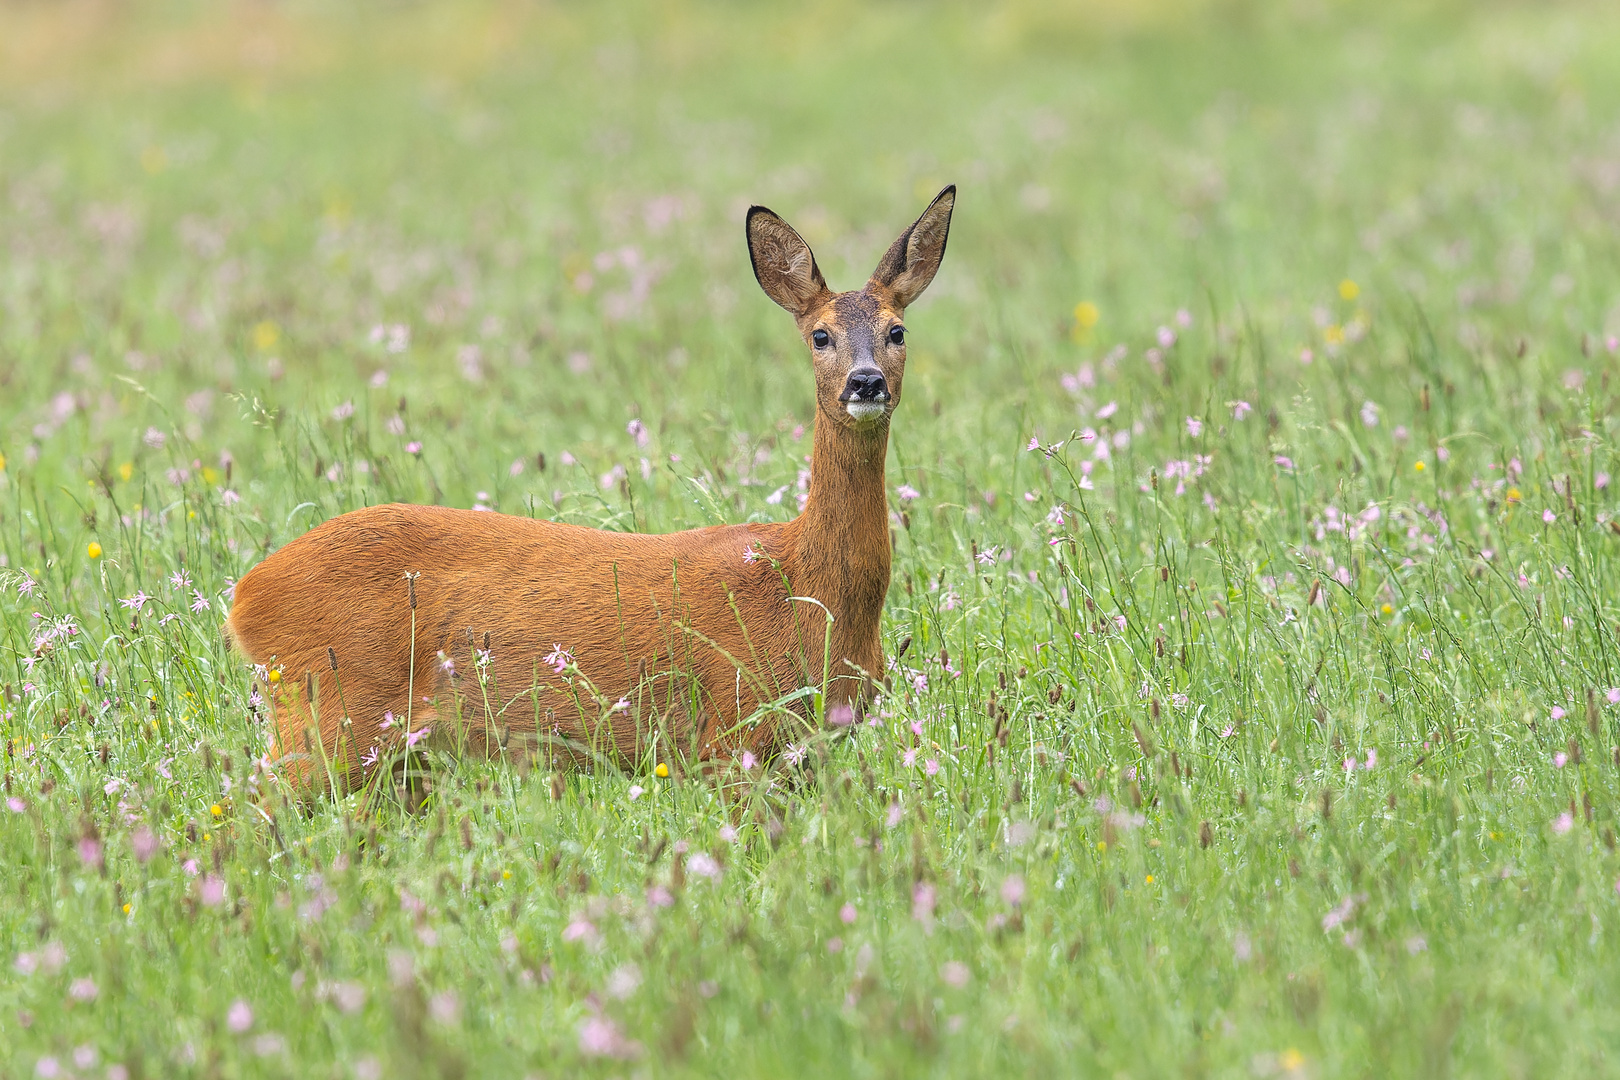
<point>865,384</point>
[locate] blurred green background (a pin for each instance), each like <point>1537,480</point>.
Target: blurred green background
<point>518,184</point>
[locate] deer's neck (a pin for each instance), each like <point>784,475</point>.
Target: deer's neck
<point>841,541</point>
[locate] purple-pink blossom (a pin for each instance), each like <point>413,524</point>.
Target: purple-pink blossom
<point>559,658</point>
<point>922,902</point>
<point>599,1036</point>
<point>581,930</point>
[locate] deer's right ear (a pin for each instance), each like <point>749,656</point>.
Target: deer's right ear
<point>784,265</point>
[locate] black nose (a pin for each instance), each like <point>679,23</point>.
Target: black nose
<point>865,384</point>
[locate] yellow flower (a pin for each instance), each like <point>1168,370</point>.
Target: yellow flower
<point>1102,845</point>
<point>210,474</point>
<point>1290,1059</point>
<point>1418,466</point>
<point>217,810</point>
<point>1333,335</point>
<point>506,875</point>
<point>1149,879</point>
<point>1348,290</point>
<point>662,771</point>
<point>126,470</point>
<point>1086,314</point>
<point>94,550</point>
<point>275,675</point>
<point>1386,609</point>
<point>1514,495</point>
<point>265,335</point>
<point>2,463</point>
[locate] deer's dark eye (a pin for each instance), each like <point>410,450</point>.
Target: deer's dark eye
<point>897,334</point>
<point>821,338</point>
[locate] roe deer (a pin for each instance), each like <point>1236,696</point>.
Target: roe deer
<point>384,624</point>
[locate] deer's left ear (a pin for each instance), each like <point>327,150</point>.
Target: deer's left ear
<point>912,261</point>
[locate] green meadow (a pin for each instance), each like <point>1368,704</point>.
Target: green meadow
<point>1254,703</point>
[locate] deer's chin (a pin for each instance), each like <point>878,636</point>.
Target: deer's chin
<point>865,412</point>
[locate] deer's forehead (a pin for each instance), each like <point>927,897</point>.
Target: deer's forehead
<point>852,310</point>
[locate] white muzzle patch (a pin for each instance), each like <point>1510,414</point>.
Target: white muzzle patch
<point>865,410</point>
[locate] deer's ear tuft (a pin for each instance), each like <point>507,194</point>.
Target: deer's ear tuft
<point>912,261</point>
<point>784,265</point>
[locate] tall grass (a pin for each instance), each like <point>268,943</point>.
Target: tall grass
<point>1258,718</point>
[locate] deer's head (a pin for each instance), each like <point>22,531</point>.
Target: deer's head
<point>857,339</point>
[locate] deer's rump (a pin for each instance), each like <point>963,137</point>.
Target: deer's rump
<point>521,627</point>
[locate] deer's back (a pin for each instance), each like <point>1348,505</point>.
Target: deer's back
<point>623,605</point>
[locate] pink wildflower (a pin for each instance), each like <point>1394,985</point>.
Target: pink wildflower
<point>922,902</point>
<point>599,1036</point>
<point>581,930</point>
